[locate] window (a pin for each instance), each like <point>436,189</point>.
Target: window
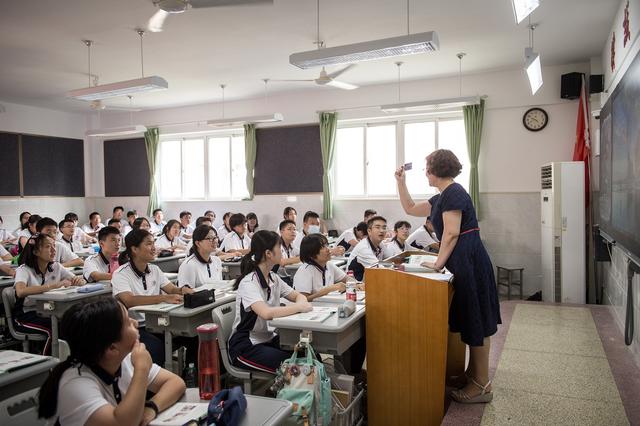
<point>209,167</point>
<point>368,154</point>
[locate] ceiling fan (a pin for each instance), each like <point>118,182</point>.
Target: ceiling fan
<point>329,79</point>
<point>167,7</point>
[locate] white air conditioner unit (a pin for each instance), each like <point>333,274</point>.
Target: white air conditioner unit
<point>366,51</point>
<point>563,232</point>
<point>120,88</point>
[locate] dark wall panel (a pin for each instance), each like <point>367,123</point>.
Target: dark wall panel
<point>10,170</point>
<point>288,160</point>
<point>53,166</point>
<point>126,171</point>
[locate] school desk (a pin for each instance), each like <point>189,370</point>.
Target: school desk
<point>232,270</point>
<point>169,263</point>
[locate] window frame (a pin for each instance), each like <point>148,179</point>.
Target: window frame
<point>229,134</point>
<point>399,123</point>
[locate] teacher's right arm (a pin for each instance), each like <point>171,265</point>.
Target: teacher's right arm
<point>421,209</point>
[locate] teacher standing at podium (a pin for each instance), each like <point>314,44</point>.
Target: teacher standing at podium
<point>474,311</point>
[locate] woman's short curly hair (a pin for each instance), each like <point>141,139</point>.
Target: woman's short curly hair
<point>443,164</point>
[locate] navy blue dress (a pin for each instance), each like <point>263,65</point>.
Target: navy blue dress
<point>475,311</point>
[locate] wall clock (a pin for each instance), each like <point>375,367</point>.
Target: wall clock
<point>535,119</point>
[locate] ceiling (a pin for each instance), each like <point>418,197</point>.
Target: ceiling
<point>43,56</point>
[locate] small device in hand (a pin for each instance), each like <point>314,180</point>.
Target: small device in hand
<point>407,166</point>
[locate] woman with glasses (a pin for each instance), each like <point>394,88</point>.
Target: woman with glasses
<point>202,266</point>
<point>474,310</point>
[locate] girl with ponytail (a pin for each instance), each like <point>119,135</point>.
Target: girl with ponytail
<point>107,375</point>
<point>251,344</point>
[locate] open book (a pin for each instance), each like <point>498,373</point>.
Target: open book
<point>318,315</point>
<point>400,257</point>
<point>14,360</point>
<point>158,307</point>
<point>182,413</point>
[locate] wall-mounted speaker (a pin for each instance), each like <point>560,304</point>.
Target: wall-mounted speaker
<point>596,83</point>
<point>570,85</point>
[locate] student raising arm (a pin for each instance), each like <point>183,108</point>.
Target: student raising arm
<point>252,344</point>
<point>317,276</point>
<point>107,376</point>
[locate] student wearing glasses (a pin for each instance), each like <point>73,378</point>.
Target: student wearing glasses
<point>38,274</point>
<point>170,238</point>
<point>368,252</point>
<point>63,254</point>
<point>78,233</point>
<point>237,239</point>
<point>67,232</point>
<point>202,266</point>
<point>398,243</point>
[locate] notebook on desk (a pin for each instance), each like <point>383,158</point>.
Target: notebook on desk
<point>182,413</point>
<point>316,316</point>
<point>158,307</point>
<point>14,360</point>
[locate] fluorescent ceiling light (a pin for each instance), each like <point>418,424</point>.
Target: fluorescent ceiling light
<point>117,131</point>
<point>238,121</point>
<point>366,51</point>
<point>523,8</point>
<point>432,105</point>
<point>120,88</point>
<point>534,70</point>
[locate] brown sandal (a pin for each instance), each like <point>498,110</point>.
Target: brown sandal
<point>462,397</point>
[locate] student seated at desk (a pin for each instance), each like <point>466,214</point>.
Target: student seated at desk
<point>311,225</point>
<point>397,245</point>
<point>225,228</point>
<point>6,237</point>
<point>237,239</point>
<point>170,238</point>
<point>138,282</point>
<point>143,223</point>
<point>202,266</point>
<point>106,379</point>
<point>132,215</point>
<point>368,253</point>
<point>252,345</point>
<point>290,255</point>
<point>317,276</point>
<point>64,255</point>
<point>186,227</point>
<point>350,238</point>
<point>158,223</point>
<point>252,224</point>
<point>38,274</point>
<point>24,219</point>
<point>66,235</point>
<point>95,224</point>
<point>78,234</point>
<point>422,239</point>
<point>97,267</point>
<point>28,232</point>
<point>211,215</point>
<point>118,214</point>
<point>6,269</point>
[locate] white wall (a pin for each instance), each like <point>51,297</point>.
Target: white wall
<point>39,121</point>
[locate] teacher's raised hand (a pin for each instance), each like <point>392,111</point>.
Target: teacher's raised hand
<point>399,174</point>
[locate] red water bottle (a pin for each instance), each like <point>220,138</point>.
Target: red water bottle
<point>208,361</point>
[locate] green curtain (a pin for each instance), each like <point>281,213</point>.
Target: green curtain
<point>328,125</point>
<point>473,118</point>
<point>152,144</point>
<point>250,148</point>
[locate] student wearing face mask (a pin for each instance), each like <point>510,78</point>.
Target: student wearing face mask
<point>368,252</point>
<point>311,225</point>
<point>398,243</point>
<point>202,266</point>
<point>237,240</point>
<point>98,267</point>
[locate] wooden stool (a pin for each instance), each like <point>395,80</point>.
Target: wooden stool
<point>505,277</point>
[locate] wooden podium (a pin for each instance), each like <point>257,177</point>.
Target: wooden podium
<point>409,348</point>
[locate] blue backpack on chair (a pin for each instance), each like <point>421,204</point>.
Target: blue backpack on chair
<point>227,407</point>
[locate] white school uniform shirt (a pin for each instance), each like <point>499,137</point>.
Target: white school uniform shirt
<point>155,228</point>
<point>88,229</point>
<point>127,279</point>
<point>310,279</point>
<point>194,273</point>
<point>81,392</point>
<point>5,235</point>
<point>22,233</point>
<point>392,248</point>
<point>64,253</point>
<point>287,253</point>
<point>95,263</point>
<point>365,255</point>
<point>163,243</point>
<point>3,251</point>
<point>232,241</point>
<point>222,232</point>
<point>298,240</point>
<point>346,236</point>
<point>80,235</point>
<point>250,291</point>
<point>54,273</point>
<point>420,239</point>
<point>73,245</point>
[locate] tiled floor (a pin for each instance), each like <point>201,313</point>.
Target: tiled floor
<point>553,364</point>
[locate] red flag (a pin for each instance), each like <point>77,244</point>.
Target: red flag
<point>582,148</point>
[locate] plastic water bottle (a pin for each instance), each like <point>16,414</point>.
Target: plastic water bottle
<point>208,361</point>
<point>190,378</point>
